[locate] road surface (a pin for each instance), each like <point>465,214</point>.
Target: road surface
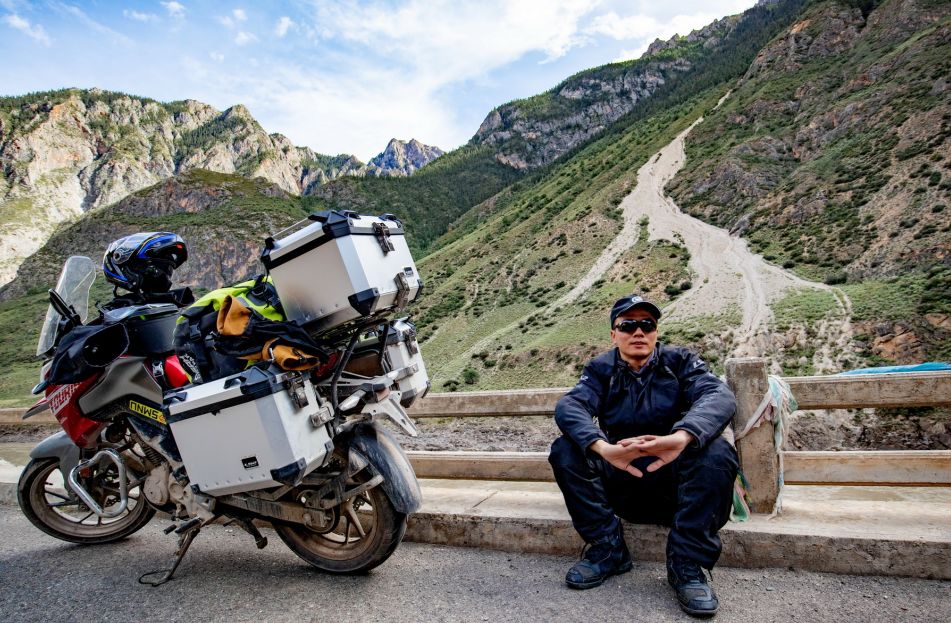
<point>224,578</point>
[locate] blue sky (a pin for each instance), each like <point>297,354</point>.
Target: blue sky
<point>341,76</point>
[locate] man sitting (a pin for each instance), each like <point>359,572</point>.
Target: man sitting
<point>656,455</point>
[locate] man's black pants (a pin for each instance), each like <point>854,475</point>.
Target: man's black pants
<point>693,495</point>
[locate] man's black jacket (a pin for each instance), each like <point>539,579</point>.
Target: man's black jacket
<point>674,391</point>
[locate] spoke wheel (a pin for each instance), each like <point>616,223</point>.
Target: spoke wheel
<point>53,508</point>
<point>366,533</point>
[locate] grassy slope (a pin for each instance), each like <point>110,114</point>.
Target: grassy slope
<point>532,246</point>
<point>431,199</point>
<point>240,217</point>
<point>867,205</point>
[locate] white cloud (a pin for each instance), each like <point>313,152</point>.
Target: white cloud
<point>283,25</point>
<point>632,53</point>
<point>175,9</point>
<point>23,25</point>
<point>374,71</point>
<point>612,25</point>
<point>139,17</point>
<point>641,26</point>
<point>102,29</point>
<point>244,38</point>
<point>237,15</point>
<point>447,41</point>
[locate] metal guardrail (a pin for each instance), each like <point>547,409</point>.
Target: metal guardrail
<point>747,377</point>
<point>759,457</point>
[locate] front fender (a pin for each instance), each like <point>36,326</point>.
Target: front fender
<point>382,451</point>
<point>58,446</point>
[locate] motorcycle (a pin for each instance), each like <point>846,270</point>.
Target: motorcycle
<point>138,438</point>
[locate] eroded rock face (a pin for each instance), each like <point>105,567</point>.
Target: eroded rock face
<point>580,109</point>
<point>224,237</point>
<point>71,151</point>
<point>531,133</point>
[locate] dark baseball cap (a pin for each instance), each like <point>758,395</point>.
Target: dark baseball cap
<point>632,302</point>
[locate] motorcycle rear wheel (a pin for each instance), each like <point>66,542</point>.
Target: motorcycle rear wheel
<point>55,510</point>
<point>368,532</point>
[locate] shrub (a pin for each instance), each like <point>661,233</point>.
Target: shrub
<point>470,376</point>
<point>837,278</point>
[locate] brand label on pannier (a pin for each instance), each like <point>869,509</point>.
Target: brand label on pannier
<point>251,461</point>
<point>144,410</point>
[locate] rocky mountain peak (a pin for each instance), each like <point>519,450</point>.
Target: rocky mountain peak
<point>404,158</point>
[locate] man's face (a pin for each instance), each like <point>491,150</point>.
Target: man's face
<point>634,347</point>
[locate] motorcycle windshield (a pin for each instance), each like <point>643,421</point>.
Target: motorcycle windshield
<point>73,286</point>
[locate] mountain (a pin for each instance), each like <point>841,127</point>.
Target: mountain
<point>525,136</point>
<point>223,218</point>
<point>402,159</point>
<point>828,147</point>
<point>65,152</point>
<point>815,132</point>
<point>832,157</point>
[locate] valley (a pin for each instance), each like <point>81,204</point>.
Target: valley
<point>802,217</point>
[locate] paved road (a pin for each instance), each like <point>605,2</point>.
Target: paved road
<point>225,578</point>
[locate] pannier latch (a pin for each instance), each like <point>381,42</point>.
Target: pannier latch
<point>382,233</point>
<point>295,387</point>
<point>402,291</point>
<point>412,346</point>
<point>323,415</point>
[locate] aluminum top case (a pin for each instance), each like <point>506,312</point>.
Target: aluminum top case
<point>340,266</point>
<point>255,429</point>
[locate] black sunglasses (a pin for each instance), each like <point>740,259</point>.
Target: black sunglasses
<point>630,326</point>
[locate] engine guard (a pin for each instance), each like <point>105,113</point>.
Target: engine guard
<point>378,447</point>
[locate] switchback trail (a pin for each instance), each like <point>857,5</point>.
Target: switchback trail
<point>727,275</point>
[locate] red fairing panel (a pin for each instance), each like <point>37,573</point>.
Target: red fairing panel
<point>64,403</point>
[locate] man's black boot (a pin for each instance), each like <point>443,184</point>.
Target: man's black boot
<point>696,597</point>
<point>602,559</point>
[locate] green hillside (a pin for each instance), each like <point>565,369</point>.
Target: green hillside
<point>829,156</point>
<point>429,200</point>
<point>487,317</point>
<point>832,158</point>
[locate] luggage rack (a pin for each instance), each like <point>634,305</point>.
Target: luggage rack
<point>323,217</point>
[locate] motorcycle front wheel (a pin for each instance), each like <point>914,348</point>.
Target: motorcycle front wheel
<point>53,508</point>
<point>368,531</point>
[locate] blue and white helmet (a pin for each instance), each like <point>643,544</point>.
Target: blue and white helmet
<point>144,261</point>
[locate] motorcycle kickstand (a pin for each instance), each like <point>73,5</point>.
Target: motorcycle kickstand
<point>248,526</point>
<point>187,533</point>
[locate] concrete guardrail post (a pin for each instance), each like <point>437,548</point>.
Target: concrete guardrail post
<point>759,456</point>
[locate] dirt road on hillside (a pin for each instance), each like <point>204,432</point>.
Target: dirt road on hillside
<point>726,273</point>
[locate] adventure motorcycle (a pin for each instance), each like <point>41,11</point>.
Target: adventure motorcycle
<point>302,450</point>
